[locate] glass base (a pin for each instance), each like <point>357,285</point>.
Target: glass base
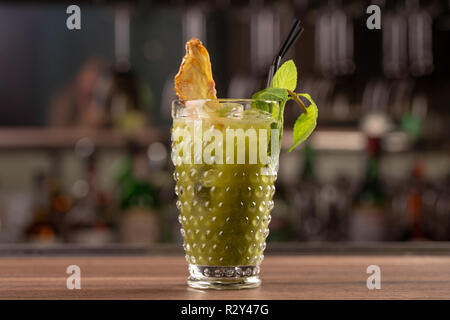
<point>223,278</point>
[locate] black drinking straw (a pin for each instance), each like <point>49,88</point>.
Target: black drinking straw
<point>291,38</point>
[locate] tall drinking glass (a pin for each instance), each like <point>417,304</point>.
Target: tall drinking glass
<point>225,154</point>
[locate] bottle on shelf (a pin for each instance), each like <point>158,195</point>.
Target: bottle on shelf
<point>41,228</point>
<point>161,178</point>
<point>308,225</point>
<point>415,214</point>
<point>140,222</point>
<point>60,201</point>
<point>414,203</point>
<point>339,192</point>
<point>368,218</point>
<point>88,220</point>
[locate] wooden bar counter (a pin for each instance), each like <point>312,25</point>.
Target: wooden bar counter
<point>293,276</point>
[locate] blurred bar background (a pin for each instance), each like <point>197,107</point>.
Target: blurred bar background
<point>85,117</point>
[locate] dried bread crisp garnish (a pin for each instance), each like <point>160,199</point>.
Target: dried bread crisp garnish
<point>194,79</point>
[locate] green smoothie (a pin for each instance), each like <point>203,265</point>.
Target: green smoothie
<point>225,208</point>
<point>225,153</point>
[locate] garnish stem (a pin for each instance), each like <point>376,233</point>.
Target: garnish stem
<point>298,100</point>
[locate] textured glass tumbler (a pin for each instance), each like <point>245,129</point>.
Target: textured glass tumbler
<point>224,194</point>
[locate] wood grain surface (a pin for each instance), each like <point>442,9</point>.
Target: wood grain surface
<point>284,277</point>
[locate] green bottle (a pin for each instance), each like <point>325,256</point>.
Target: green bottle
<point>308,172</point>
<point>368,219</point>
<point>308,225</point>
<point>137,200</point>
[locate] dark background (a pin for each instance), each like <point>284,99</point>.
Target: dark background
<point>399,74</point>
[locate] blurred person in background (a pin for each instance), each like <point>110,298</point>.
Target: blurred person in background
<point>77,104</point>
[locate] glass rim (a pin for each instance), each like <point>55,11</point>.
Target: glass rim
<point>225,100</point>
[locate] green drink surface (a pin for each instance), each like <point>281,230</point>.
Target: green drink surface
<point>224,208</point>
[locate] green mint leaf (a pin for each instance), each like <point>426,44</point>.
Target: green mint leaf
<point>271,94</point>
<point>286,76</point>
<point>274,94</point>
<point>305,123</point>
<point>283,84</point>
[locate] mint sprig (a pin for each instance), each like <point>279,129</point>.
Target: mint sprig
<point>286,76</point>
<point>282,89</point>
<point>271,94</point>
<point>305,123</point>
